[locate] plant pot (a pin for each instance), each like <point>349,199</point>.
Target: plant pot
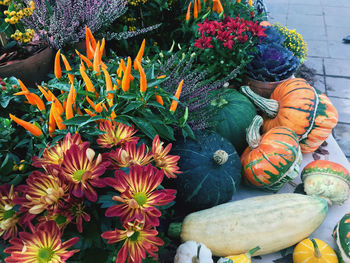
<point>263,88</point>
<point>31,70</point>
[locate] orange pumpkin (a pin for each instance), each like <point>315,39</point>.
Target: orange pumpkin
<point>270,160</point>
<point>297,105</point>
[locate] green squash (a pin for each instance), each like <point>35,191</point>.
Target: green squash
<point>341,236</point>
<point>211,171</point>
<point>233,114</point>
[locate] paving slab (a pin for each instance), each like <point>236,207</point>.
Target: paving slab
<point>337,67</point>
<point>309,20</point>
<point>336,3</point>
<point>320,83</point>
<point>337,33</point>
<point>338,49</point>
<point>341,134</point>
<point>336,11</point>
<point>282,19</point>
<point>306,2</point>
<point>300,9</point>
<point>317,48</point>
<point>337,20</point>
<point>338,87</point>
<point>309,32</point>
<point>278,8</point>
<point>315,63</point>
<point>343,108</point>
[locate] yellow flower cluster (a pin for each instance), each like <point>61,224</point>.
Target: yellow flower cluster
<point>5,2</point>
<point>23,37</point>
<point>137,2</point>
<point>15,15</point>
<point>294,42</point>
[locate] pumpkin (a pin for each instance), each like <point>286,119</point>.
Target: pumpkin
<point>328,180</point>
<point>314,251</point>
<point>233,114</point>
<point>297,105</point>
<point>242,258</point>
<point>341,236</point>
<point>272,222</point>
<point>270,160</point>
<point>211,171</point>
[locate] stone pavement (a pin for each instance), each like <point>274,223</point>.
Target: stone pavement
<point>323,24</point>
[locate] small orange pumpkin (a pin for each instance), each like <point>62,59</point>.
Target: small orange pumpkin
<point>265,23</point>
<point>297,105</point>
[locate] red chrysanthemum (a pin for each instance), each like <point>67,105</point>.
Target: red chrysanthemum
<point>165,162</point>
<point>115,135</point>
<point>8,215</point>
<point>82,171</point>
<point>43,246</point>
<point>138,240</point>
<point>138,194</point>
<point>76,213</point>
<point>204,42</point>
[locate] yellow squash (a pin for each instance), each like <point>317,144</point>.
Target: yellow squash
<point>244,258</point>
<point>314,251</point>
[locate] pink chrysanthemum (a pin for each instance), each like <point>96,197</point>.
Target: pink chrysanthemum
<point>43,246</point>
<point>165,162</point>
<point>82,171</point>
<point>8,215</point>
<point>115,135</point>
<point>138,240</point>
<point>138,194</point>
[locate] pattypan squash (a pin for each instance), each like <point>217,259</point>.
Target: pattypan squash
<point>193,252</point>
<point>242,258</point>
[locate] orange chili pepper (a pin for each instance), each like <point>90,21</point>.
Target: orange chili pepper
<point>143,79</point>
<point>38,102</point>
<point>159,98</point>
<point>90,36</point>
<point>79,112</point>
<point>188,14</point>
<point>161,77</point>
<point>102,47</point>
<point>140,53</point>
<point>68,68</point>
<point>238,1</point>
<point>56,102</point>
<point>36,131</point>
<point>21,93</point>
<point>24,88</point>
<point>195,10</point>
<point>46,94</point>
<point>109,87</point>
<point>58,118</point>
<point>96,107</point>
<point>97,60</point>
<point>70,102</point>
<point>85,59</point>
<point>199,6</point>
<point>89,51</point>
<point>250,2</point>
<point>217,7</point>
<point>57,68</point>
<point>52,123</point>
<point>126,77</point>
<point>90,112</point>
<point>174,103</point>
<point>113,115</point>
<point>88,84</point>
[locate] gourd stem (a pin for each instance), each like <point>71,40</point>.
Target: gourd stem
<point>253,136</point>
<point>317,252</point>
<point>220,157</point>
<point>269,106</point>
<point>174,230</point>
<point>253,250</point>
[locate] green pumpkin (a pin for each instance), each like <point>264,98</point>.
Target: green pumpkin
<point>211,171</point>
<point>341,236</point>
<point>234,113</point>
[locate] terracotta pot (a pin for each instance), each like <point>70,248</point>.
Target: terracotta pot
<point>263,88</point>
<point>31,70</point>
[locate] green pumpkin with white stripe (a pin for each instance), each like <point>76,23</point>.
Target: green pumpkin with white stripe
<point>297,105</point>
<point>341,236</point>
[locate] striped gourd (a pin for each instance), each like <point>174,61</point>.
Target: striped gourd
<point>341,236</point>
<point>271,222</point>
<point>297,105</point>
<point>270,160</point>
<point>314,251</point>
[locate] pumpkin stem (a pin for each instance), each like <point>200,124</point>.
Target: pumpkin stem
<point>220,157</point>
<point>253,250</point>
<point>317,252</point>
<point>174,230</point>
<point>268,106</point>
<point>253,136</point>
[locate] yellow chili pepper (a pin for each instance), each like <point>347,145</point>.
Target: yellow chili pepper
<point>36,131</point>
<point>57,68</point>
<point>174,103</point>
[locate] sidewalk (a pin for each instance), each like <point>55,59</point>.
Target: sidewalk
<point>323,24</point>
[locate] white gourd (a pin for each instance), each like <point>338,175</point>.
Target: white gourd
<point>192,251</point>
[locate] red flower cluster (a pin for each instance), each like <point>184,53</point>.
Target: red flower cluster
<point>231,31</point>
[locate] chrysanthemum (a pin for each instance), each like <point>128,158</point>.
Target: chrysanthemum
<point>116,135</point>
<point>165,162</point>
<point>82,171</point>
<point>138,194</point>
<point>54,155</point>
<point>76,213</point>
<point>42,192</point>
<point>138,240</point>
<point>8,215</point>
<point>128,155</point>
<point>43,246</point>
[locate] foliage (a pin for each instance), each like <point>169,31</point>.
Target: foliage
<point>272,62</point>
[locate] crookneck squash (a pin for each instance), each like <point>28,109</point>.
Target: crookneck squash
<point>270,160</point>
<point>297,105</point>
<point>328,180</point>
<point>341,236</point>
<point>233,112</point>
<point>314,251</point>
<point>272,222</point>
<point>211,171</point>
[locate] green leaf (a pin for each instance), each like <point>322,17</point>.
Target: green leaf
<point>4,26</point>
<point>144,126</point>
<point>164,131</point>
<point>131,106</point>
<point>106,200</point>
<point>5,100</point>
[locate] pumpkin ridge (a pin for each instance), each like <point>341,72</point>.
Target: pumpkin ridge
<point>186,150</point>
<point>196,190</point>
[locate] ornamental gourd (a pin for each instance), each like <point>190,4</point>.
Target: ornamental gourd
<point>272,222</point>
<point>242,258</point>
<point>211,171</point>
<point>233,114</point>
<point>341,235</point>
<point>328,180</point>
<point>297,105</point>
<point>314,251</point>
<point>270,160</point>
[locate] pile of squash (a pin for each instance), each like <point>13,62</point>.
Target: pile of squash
<point>264,153</point>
